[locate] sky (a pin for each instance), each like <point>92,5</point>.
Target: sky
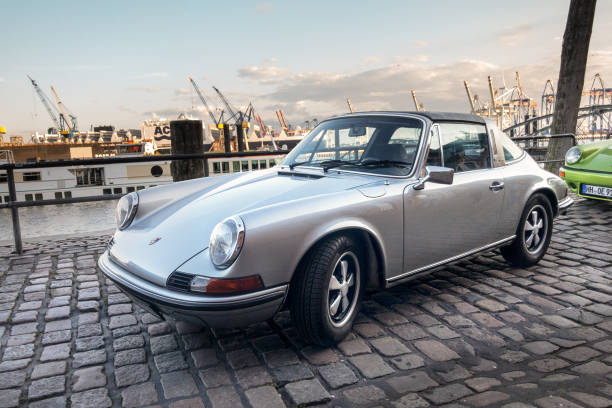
<point>122,62</point>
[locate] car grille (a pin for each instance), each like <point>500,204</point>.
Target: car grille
<point>179,281</point>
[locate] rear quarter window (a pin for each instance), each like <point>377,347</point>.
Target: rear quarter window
<point>511,150</point>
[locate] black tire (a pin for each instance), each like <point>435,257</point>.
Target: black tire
<point>522,252</point>
<point>311,296</point>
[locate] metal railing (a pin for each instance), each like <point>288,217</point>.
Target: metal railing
<point>14,205</point>
<point>537,146</point>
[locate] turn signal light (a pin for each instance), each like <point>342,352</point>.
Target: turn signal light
<point>225,286</point>
<point>561,173</point>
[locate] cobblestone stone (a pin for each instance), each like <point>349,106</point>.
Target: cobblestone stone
<point>93,398</point>
<point>307,392</point>
<point>337,375</point>
<point>48,369</point>
<point>131,374</point>
<point>88,378</point>
<point>47,387</point>
<point>371,365</point>
<point>178,384</point>
<point>139,395</point>
<point>264,397</point>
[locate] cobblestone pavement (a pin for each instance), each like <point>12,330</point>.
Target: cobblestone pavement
<point>478,333</point>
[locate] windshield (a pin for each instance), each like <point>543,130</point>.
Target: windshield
<point>378,145</point>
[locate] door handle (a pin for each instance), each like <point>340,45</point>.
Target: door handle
<point>496,186</point>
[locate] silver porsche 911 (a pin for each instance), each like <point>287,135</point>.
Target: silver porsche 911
<point>366,200</point>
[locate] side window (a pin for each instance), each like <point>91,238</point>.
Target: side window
<point>434,158</point>
<point>511,151</point>
<point>465,146</point>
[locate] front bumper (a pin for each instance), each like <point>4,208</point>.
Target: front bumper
<point>575,178</point>
<point>214,311</point>
<point>564,204</point>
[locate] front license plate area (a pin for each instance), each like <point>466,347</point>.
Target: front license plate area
<point>597,191</point>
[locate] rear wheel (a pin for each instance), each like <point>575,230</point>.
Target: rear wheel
<point>327,291</point>
<point>533,233</point>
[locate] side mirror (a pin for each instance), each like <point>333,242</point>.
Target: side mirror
<point>436,174</point>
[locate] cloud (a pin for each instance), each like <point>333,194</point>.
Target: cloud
<point>420,43</point>
<point>182,91</point>
<point>143,88</point>
<point>263,74</point>
<point>2,79</point>
<point>516,35</point>
<point>127,109</point>
<point>372,60</point>
<point>87,68</point>
<point>155,75</point>
<point>271,60</point>
<point>264,8</point>
<point>166,113</point>
<point>307,95</point>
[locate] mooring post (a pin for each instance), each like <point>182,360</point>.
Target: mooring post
<point>206,169</point>
<point>14,210</point>
<point>227,138</point>
<point>187,138</point>
<point>240,137</point>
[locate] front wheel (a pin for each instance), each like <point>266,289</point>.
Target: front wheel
<point>327,291</point>
<point>533,233</point>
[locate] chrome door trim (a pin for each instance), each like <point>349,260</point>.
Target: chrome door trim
<point>417,271</point>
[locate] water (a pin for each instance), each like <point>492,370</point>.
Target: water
<point>62,219</point>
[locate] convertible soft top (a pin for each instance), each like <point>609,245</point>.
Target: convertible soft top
<point>434,116</point>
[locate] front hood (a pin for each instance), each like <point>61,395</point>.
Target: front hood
<point>154,246</point>
<point>595,156</point>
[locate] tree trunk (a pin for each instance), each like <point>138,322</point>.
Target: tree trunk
<point>571,76</point>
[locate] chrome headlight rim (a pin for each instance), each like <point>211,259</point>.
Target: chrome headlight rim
<point>573,155</point>
<point>126,221</point>
<point>235,246</point>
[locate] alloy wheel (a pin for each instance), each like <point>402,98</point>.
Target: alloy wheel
<point>535,229</point>
<point>343,289</point>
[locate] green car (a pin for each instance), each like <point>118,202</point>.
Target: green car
<point>588,170</point>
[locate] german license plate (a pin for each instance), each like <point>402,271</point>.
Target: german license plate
<point>596,190</point>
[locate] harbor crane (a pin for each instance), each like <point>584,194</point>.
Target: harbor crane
<point>418,106</point>
<point>470,97</point>
<point>51,109</point>
<point>240,123</point>
<point>264,131</point>
<point>350,105</point>
<point>214,120</point>
<point>281,119</point>
<point>69,119</point>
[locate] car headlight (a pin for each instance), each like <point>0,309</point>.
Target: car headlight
<point>126,210</point>
<point>573,155</point>
<point>226,242</point>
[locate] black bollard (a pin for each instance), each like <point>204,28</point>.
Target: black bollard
<point>187,138</point>
<point>227,138</point>
<point>240,137</point>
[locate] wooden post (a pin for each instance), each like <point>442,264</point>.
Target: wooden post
<point>187,137</point>
<point>227,138</point>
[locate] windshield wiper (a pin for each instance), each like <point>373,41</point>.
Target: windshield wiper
<point>293,165</point>
<point>330,164</point>
<point>325,164</point>
<point>376,162</point>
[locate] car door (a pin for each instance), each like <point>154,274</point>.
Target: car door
<point>446,221</point>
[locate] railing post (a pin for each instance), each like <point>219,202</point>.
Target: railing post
<point>14,210</point>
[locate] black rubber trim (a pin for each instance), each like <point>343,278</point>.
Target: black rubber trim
<point>242,304</point>
<point>587,171</point>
